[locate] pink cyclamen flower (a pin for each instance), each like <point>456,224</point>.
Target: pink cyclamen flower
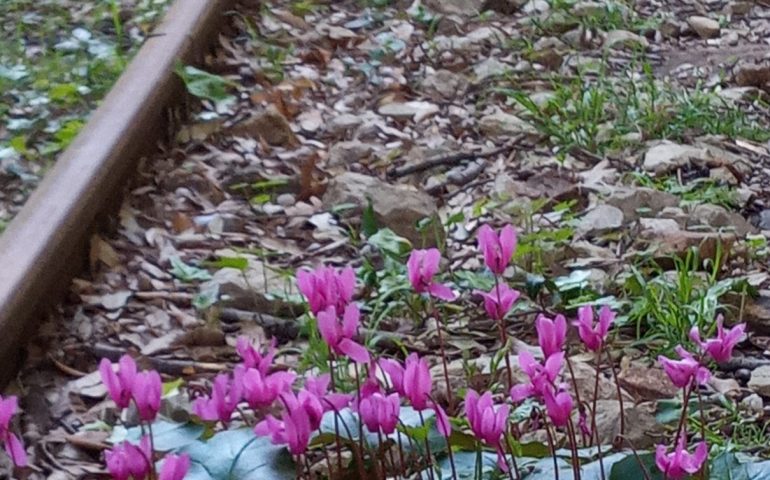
<point>686,371</point>
<point>593,336</point>
<point>319,387</point>
<point>174,467</point>
<point>487,424</point>
<point>119,384</point>
<point>379,412</point>
<point>497,249</point>
<point>261,391</point>
<point>146,391</point>
<point>127,460</point>
<point>253,358</point>
<point>339,334</point>
<point>417,381</point>
<point>301,417</point>
<point>551,334</point>
<point>421,267</point>
<point>541,376</point>
<point>558,405</point>
<point>499,300</point>
<point>326,287</point>
<point>721,347</point>
<point>12,443</point>
<point>680,463</point>
<point>225,395</point>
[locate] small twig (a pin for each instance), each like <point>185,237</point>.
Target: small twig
<point>452,160</point>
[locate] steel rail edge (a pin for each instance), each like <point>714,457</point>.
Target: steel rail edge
<point>46,244</point>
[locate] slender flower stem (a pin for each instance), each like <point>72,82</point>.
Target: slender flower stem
<point>575,387</point>
<point>594,430</point>
<point>427,449</point>
<point>685,405</point>
<point>620,393</point>
<point>402,464</point>
<point>479,470</point>
<point>514,462</point>
<point>574,447</point>
<point>375,458</point>
<point>553,449</point>
<point>437,317</point>
<point>360,421</point>
<point>704,471</point>
<point>504,337</point>
<point>337,442</point>
<point>153,473</point>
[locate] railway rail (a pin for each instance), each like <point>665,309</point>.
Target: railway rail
<point>47,242</point>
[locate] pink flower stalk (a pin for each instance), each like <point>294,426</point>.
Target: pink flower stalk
<point>119,384</point>
<point>593,336</point>
<point>339,335</point>
<point>146,391</point>
<point>497,249</point>
<point>558,405</point>
<point>379,412</point>
<point>721,347</point>
<point>260,391</point>
<point>551,334</point>
<point>175,467</point>
<point>686,371</point>
<point>680,463</point>
<point>253,358</point>
<point>225,395</point>
<point>421,267</point>
<point>541,376</point>
<point>326,287</point>
<point>487,424</point>
<point>127,460</point>
<point>12,443</point>
<point>499,300</point>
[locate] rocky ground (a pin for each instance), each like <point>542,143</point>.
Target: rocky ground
<point>617,136</point>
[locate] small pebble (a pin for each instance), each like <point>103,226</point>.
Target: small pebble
<point>743,374</point>
<point>286,200</point>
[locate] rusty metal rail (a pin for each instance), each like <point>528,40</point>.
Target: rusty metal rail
<point>47,243</point>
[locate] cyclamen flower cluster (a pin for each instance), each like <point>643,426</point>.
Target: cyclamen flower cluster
<point>126,460</point>
<point>688,373</point>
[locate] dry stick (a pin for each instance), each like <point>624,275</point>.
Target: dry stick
<point>504,337</point>
<point>594,430</point>
<point>620,393</point>
<point>452,160</point>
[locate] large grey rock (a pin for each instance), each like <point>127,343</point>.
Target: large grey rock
<point>601,219</point>
<point>398,207</point>
<point>345,153</point>
<point>760,380</point>
<point>501,123</point>
<point>705,27</point>
<point>619,39</point>
<point>719,217</point>
<point>445,84</point>
<point>641,202</point>
<point>641,428</point>
<point>666,156</point>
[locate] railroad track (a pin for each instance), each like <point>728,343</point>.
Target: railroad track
<point>46,244</point>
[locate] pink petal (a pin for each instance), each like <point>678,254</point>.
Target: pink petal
<point>15,450</point>
<point>350,320</point>
<point>442,421</point>
<point>355,351</point>
<point>442,292</point>
<point>327,326</point>
<point>507,242</point>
